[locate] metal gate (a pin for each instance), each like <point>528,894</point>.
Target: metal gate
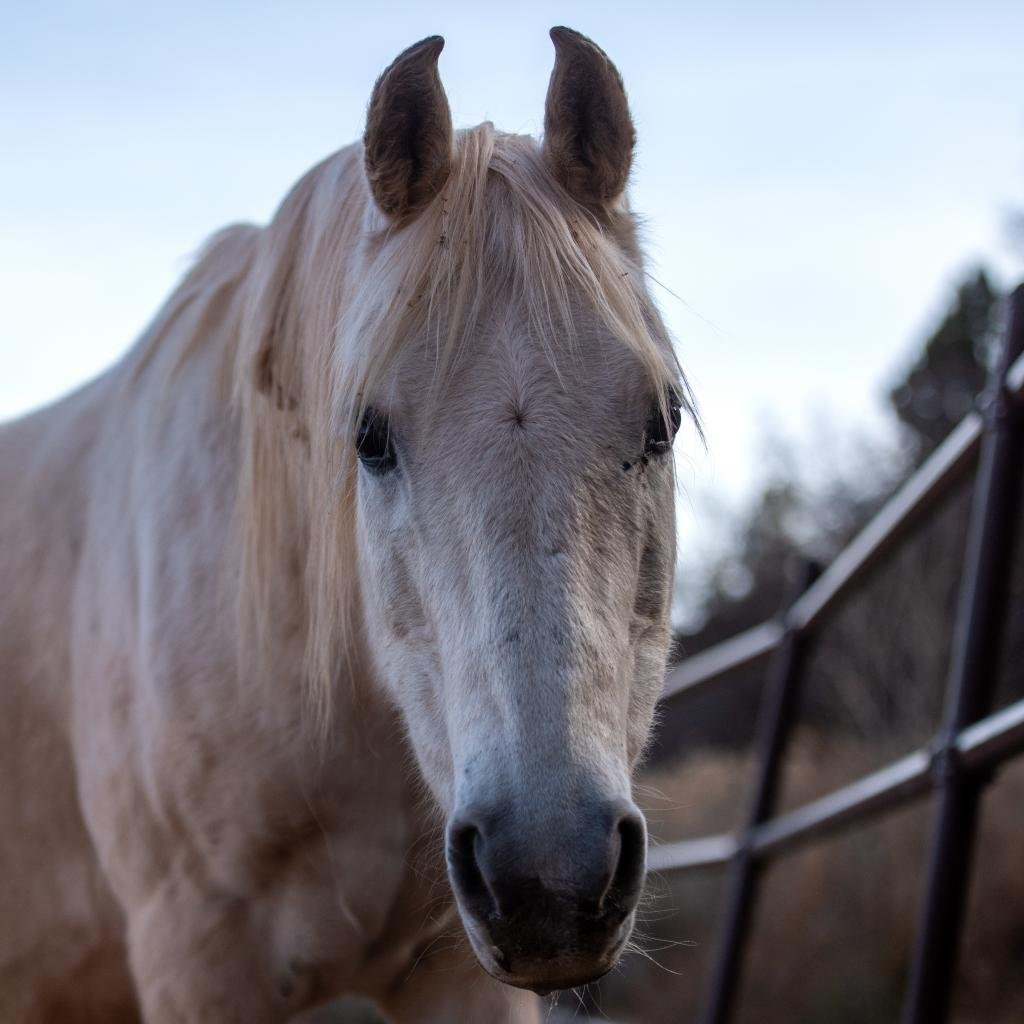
<point>970,741</point>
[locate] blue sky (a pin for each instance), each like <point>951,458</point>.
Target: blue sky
<point>814,176</point>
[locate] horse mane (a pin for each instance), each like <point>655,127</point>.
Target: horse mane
<point>335,292</point>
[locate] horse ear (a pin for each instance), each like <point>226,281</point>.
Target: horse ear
<point>408,141</point>
<point>588,133</point>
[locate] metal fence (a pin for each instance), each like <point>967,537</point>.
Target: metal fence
<point>970,741</point>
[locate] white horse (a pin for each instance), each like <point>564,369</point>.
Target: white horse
<point>356,567</point>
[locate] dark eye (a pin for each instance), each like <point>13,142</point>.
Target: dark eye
<point>663,424</point>
<point>374,446</point>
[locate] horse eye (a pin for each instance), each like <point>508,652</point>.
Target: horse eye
<point>662,426</point>
<point>374,446</point>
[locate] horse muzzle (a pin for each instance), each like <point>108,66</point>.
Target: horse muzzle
<point>548,905</point>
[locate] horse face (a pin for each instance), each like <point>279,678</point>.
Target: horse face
<point>519,540</point>
<point>516,541</point>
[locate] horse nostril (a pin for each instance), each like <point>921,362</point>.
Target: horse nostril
<point>628,877</point>
<point>464,840</point>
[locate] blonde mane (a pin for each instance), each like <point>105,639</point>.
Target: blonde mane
<point>334,292</point>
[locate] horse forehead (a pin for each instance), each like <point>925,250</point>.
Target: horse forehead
<point>531,422</point>
<point>511,455</point>
<point>511,374</point>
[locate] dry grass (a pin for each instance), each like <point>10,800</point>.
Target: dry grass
<point>834,925</point>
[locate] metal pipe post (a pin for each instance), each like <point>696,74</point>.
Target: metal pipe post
<point>981,614</point>
<point>774,723</point>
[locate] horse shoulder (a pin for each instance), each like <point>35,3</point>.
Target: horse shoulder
<point>53,886</point>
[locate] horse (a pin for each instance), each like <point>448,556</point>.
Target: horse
<point>336,613</point>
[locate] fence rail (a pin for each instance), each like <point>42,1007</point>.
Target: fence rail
<point>970,741</point>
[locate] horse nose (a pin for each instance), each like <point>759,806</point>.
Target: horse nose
<point>593,864</point>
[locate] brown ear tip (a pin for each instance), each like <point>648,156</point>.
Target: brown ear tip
<point>560,35</point>
<point>432,45</point>
<point>429,49</point>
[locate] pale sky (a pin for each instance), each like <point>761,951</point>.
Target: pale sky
<point>814,176</point>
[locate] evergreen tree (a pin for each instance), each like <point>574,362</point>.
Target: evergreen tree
<point>942,383</point>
